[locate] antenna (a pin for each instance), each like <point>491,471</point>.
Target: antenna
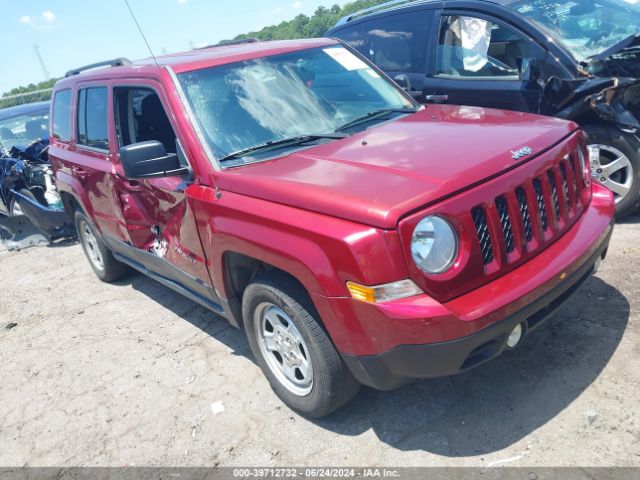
<point>45,72</point>
<point>142,34</point>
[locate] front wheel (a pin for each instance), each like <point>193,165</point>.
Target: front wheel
<point>617,166</point>
<point>292,348</point>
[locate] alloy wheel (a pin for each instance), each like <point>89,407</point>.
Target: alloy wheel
<point>283,348</point>
<point>613,169</point>
<point>90,244</point>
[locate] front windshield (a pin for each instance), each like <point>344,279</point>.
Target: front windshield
<point>22,130</point>
<point>585,27</point>
<point>309,92</point>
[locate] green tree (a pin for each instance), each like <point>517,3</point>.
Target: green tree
<point>301,26</point>
<point>309,27</point>
<point>37,92</point>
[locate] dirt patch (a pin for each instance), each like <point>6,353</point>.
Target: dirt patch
<point>134,374</point>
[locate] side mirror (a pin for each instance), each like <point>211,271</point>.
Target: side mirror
<point>150,160</point>
<point>530,70</point>
<point>403,82</point>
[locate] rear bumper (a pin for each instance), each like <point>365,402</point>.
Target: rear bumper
<point>421,338</point>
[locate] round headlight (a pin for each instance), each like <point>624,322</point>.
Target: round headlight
<point>434,246</point>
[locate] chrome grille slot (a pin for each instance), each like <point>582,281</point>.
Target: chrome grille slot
<point>554,193</point>
<point>565,184</point>
<point>482,229</point>
<point>544,219</point>
<point>505,222</point>
<point>525,213</point>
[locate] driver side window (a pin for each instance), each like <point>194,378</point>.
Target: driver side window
<point>140,117</point>
<point>470,47</point>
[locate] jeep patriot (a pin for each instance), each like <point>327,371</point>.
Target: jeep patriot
<point>356,236</point>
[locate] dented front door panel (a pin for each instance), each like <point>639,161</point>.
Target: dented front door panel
<point>161,229</point>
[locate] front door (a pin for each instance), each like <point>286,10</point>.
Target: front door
<point>159,220</point>
<point>479,61</point>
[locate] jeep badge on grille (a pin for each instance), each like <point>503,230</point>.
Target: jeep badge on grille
<point>523,152</point>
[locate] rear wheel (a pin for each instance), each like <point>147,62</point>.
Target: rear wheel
<point>292,348</point>
<point>617,166</point>
<point>105,266</point>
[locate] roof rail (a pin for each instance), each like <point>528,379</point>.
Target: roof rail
<point>116,62</point>
<point>370,10</point>
<point>230,42</point>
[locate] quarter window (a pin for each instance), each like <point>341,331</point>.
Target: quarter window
<point>473,47</point>
<point>62,115</point>
<point>92,118</point>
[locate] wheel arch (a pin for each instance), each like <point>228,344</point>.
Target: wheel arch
<point>239,270</point>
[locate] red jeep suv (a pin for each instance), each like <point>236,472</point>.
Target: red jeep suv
<point>356,236</point>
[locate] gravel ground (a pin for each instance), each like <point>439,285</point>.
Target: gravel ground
<point>134,374</point>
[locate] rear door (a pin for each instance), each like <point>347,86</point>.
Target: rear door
<point>81,152</point>
<point>396,43</point>
<point>479,61</point>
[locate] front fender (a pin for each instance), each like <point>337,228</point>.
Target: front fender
<point>322,252</point>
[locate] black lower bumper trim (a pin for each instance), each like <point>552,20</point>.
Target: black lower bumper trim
<point>405,363</point>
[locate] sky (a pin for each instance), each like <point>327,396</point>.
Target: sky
<point>72,33</point>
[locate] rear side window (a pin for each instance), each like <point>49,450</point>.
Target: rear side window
<point>92,118</point>
<point>396,43</point>
<point>62,115</point>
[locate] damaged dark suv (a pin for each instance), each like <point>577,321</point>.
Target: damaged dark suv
<point>27,187</point>
<point>573,59</point>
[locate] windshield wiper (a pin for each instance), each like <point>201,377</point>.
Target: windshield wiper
<point>285,142</point>
<point>373,115</point>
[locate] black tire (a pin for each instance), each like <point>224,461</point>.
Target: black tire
<point>109,269</point>
<point>629,145</point>
<point>333,384</point>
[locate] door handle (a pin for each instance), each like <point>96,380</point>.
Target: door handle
<point>436,98</point>
<point>130,185</point>
<point>79,172</point>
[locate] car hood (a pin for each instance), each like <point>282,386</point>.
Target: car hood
<point>376,176</point>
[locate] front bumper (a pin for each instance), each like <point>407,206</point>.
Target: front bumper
<point>473,329</point>
<point>404,363</point>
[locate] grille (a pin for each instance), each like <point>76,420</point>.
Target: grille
<point>574,173</point>
<point>505,222</point>
<point>554,193</point>
<point>482,229</point>
<point>544,219</point>
<point>565,183</point>
<point>523,219</point>
<point>525,213</point>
